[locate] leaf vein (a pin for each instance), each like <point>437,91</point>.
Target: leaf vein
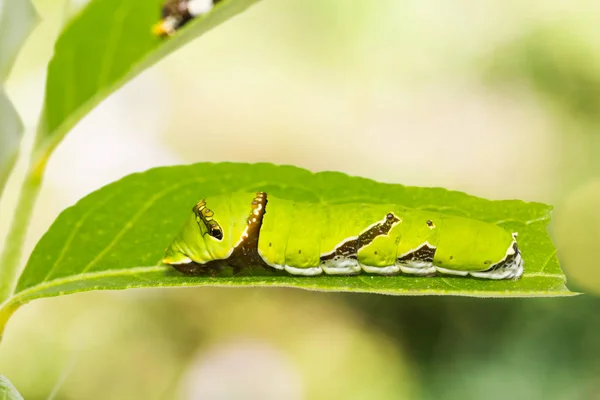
<point>449,284</point>
<point>130,223</point>
<point>74,233</point>
<point>112,42</point>
<point>542,275</point>
<point>133,271</point>
<point>552,254</point>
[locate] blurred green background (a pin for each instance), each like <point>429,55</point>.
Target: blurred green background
<point>498,99</point>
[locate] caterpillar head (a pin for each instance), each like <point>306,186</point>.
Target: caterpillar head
<point>197,237</point>
<point>211,234</point>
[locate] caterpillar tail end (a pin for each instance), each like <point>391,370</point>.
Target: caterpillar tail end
<point>511,267</point>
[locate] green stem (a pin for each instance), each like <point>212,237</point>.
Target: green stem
<point>10,260</point>
<point>6,311</point>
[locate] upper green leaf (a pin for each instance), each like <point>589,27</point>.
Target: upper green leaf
<point>107,44</point>
<point>8,391</point>
<point>11,130</point>
<point>115,237</point>
<point>17,19</point>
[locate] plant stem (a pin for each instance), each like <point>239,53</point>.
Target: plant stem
<point>6,311</point>
<point>10,260</point>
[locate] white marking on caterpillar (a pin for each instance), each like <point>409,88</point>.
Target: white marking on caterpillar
<point>417,268</point>
<point>303,271</point>
<point>341,266</point>
<point>199,7</point>
<point>389,270</point>
<point>451,271</point>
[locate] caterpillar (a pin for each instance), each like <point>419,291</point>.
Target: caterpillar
<point>308,239</point>
<point>177,13</point>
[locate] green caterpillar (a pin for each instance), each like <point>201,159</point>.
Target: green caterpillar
<point>310,239</point>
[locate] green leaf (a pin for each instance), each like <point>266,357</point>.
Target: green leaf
<point>11,130</point>
<point>115,237</point>
<point>106,45</point>
<point>8,391</point>
<point>17,19</point>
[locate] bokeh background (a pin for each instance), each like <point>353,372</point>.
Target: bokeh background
<point>498,99</point>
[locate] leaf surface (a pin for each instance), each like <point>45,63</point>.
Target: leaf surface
<point>115,237</point>
<point>107,44</point>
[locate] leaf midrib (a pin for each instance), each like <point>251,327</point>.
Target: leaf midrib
<point>136,271</point>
